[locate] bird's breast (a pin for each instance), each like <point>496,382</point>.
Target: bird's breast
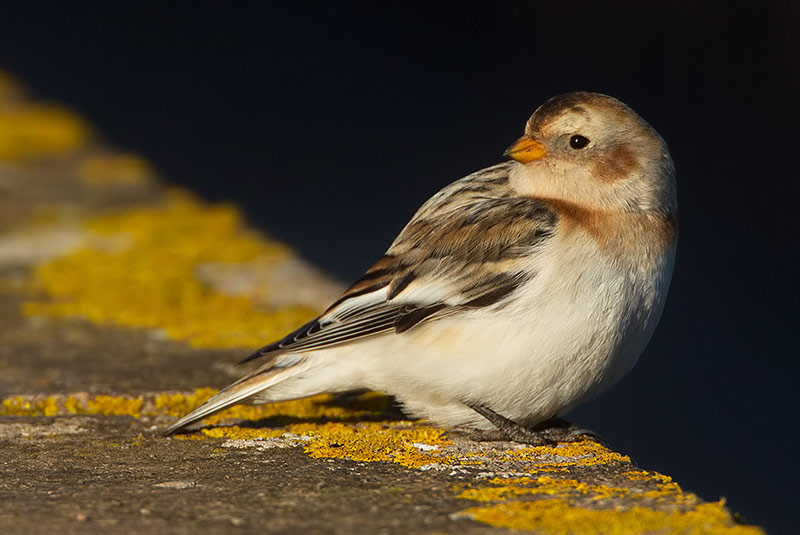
<point>603,292</point>
<point>615,231</point>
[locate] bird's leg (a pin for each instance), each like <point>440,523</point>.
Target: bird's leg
<point>510,428</point>
<point>546,433</point>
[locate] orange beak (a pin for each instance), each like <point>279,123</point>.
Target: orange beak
<point>525,150</point>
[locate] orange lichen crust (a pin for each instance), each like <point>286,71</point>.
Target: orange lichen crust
<point>141,273</point>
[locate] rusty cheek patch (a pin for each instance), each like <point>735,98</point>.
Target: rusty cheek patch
<point>621,162</point>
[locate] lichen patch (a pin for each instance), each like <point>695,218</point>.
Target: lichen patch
<point>151,282</point>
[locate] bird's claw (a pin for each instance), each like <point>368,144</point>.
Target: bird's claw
<point>546,433</point>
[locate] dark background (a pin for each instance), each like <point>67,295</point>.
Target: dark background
<point>331,124</point>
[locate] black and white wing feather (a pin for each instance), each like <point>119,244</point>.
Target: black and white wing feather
<point>465,248</point>
<point>468,247</point>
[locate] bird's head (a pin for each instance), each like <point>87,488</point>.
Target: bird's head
<point>593,150</point>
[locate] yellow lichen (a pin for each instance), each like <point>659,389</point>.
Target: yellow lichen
<point>415,445</point>
<point>72,405</point>
<point>321,407</point>
<point>544,485</point>
<point>49,407</point>
<point>404,443</point>
<point>666,488</point>
<point>317,408</point>
<point>53,406</point>
<point>179,404</point>
<point>41,130</point>
<point>118,169</point>
<point>151,281</point>
<point>240,433</point>
<point>17,406</point>
<point>643,475</point>
<point>562,455</point>
<point>115,406</point>
<point>557,517</point>
<point>375,442</point>
<point>407,443</point>
<point>191,437</point>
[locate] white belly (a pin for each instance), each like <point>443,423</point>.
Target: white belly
<point>577,328</point>
<point>581,326</point>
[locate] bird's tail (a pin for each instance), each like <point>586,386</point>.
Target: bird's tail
<point>248,386</point>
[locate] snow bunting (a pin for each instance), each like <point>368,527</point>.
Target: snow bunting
<point>513,294</point>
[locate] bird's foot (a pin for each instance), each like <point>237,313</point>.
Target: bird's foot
<point>544,434</point>
<point>558,430</point>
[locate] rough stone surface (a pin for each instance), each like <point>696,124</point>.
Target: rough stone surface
<point>88,380</point>
<point>97,473</point>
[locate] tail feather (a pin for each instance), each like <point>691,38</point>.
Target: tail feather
<point>248,386</point>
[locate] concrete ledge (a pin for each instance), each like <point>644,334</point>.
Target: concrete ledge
<point>124,303</point>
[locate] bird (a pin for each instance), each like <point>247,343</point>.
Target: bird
<point>512,295</point>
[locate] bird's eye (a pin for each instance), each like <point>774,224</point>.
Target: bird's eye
<point>578,141</point>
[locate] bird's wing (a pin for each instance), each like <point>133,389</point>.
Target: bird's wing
<point>468,247</point>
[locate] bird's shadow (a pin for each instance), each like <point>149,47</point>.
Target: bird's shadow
<point>359,408</point>
<point>367,406</point>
